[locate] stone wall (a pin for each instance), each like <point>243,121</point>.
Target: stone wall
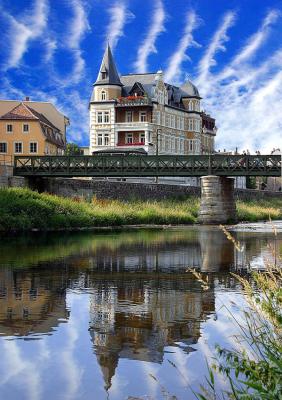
<point>144,191</point>
<point>8,180</point>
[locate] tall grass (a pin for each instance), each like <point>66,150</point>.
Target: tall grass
<point>23,209</point>
<point>256,372</point>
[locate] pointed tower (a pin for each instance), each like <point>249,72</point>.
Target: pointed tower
<point>106,90</point>
<point>108,85</point>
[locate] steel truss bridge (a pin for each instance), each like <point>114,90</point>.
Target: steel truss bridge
<point>147,165</point>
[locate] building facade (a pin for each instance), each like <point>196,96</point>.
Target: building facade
<point>142,111</point>
<point>46,108</point>
<point>24,131</point>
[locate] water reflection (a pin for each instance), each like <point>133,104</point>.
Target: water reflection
<point>138,301</point>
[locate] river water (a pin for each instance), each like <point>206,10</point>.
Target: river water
<point>98,315</point>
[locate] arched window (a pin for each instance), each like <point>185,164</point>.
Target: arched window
<point>103,95</point>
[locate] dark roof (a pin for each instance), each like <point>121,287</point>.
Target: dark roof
<point>148,82</point>
<point>109,68</point>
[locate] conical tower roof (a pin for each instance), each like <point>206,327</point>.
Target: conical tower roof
<point>108,74</point>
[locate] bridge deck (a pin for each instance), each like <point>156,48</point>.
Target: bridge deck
<point>145,166</point>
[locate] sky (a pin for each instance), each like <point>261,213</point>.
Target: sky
<point>51,50</point>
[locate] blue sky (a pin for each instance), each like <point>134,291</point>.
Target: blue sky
<point>232,50</point>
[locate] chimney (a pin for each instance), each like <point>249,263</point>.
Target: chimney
<point>27,98</point>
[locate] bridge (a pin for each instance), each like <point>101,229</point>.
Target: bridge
<point>148,165</point>
<point>216,172</point>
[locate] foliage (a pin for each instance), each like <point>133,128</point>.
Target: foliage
<point>251,182</point>
<point>23,209</point>
<point>253,211</point>
<point>255,372</point>
<point>72,149</point>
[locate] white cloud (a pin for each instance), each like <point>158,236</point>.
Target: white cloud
<point>246,95</point>
<point>76,32</point>
<point>216,45</point>
<point>119,16</point>
<point>174,71</point>
<point>23,30</point>
<point>148,45</point>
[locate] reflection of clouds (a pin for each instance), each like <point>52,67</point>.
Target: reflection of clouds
<point>20,371</point>
<point>72,371</point>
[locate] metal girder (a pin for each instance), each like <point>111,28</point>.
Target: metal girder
<point>142,165</point>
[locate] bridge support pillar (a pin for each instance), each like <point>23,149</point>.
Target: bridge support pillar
<point>217,200</point>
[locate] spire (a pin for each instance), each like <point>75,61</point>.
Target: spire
<point>108,74</point>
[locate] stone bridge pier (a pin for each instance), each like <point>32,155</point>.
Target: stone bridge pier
<point>217,200</point>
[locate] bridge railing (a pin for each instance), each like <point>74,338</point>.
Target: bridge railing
<point>148,165</point>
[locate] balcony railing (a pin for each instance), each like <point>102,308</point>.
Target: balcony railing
<point>131,144</point>
<point>133,101</point>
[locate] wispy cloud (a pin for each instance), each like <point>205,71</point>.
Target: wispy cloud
<point>76,32</point>
<point>148,45</point>
<point>246,95</point>
<point>24,29</point>
<point>216,45</point>
<point>174,72</point>
<point>119,17</point>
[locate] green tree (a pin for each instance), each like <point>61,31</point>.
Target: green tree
<point>73,150</point>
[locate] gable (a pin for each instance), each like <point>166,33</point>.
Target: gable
<point>138,89</point>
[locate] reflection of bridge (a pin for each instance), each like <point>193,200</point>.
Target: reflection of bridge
<point>139,165</point>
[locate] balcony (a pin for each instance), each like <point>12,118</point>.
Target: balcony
<point>131,144</point>
<point>133,101</point>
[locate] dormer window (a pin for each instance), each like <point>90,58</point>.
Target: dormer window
<point>104,75</point>
<point>103,95</point>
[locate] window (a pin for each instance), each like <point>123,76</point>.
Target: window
<point>103,95</point>
<point>103,139</point>
<point>99,117</point>
<point>18,147</point>
<point>128,116</point>
<point>33,147</point>
<point>169,120</point>
<point>104,75</point>
<point>100,139</point>
<point>106,139</point>
<point>103,117</point>
<point>142,138</point>
<point>129,138</point>
<point>143,116</point>
<point>106,117</point>
<point>25,128</point>
<point>3,147</point>
<point>9,128</point>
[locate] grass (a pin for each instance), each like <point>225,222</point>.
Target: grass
<point>255,372</point>
<point>23,209</point>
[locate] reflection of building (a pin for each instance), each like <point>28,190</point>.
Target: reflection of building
<point>30,303</point>
<point>138,319</point>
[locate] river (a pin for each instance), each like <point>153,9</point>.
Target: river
<point>115,315</point>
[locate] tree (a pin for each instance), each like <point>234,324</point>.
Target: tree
<point>73,149</point>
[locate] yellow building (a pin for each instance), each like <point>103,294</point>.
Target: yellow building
<point>25,131</point>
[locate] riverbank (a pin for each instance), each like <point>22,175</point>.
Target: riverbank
<point>23,209</point>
